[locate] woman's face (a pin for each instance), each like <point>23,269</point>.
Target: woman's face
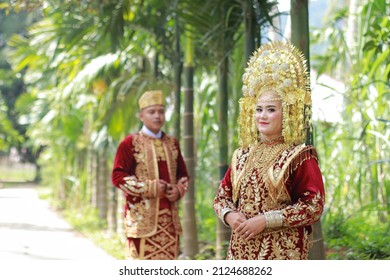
<point>269,116</point>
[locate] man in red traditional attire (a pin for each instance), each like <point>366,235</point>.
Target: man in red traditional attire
<point>150,170</point>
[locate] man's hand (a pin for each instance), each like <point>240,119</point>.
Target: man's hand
<point>161,188</point>
<point>172,192</point>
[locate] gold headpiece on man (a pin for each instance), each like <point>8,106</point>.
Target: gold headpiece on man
<point>280,67</point>
<point>150,98</point>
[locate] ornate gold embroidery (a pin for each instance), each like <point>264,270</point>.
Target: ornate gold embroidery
<point>239,159</point>
<point>307,212</point>
<point>137,211</point>
<point>278,245</point>
<point>160,153</point>
<point>253,185</point>
<point>261,180</point>
<point>133,185</point>
<point>131,252</point>
<point>144,212</point>
<point>164,244</point>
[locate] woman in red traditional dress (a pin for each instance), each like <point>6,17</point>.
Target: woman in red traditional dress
<point>150,170</point>
<point>273,191</point>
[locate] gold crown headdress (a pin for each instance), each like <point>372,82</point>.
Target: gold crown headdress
<point>281,67</point>
<point>150,98</point>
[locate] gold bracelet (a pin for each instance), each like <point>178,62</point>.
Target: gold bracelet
<point>274,219</point>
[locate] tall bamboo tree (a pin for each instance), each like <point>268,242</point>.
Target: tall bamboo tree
<point>190,246</point>
<point>300,38</point>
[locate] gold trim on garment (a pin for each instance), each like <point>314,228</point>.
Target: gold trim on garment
<point>172,177</point>
<point>142,216</point>
<point>262,156</point>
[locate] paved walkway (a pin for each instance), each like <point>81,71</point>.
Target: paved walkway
<point>30,230</point>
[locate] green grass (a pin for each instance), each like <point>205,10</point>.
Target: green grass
<point>16,173</point>
<point>361,236</point>
<point>87,223</point>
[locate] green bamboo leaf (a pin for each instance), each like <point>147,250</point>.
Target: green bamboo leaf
<point>116,124</point>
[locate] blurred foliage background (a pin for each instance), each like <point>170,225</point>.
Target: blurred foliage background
<point>71,73</point>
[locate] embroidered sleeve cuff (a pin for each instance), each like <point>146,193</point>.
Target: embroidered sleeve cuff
<point>274,219</point>
<point>143,189</point>
<point>182,186</point>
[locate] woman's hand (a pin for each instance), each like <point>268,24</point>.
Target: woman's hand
<point>234,219</point>
<point>251,227</point>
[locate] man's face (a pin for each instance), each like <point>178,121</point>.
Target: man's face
<point>153,117</point>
